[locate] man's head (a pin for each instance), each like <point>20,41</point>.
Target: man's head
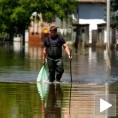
<point>53,31</point>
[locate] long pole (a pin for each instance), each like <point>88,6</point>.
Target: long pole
<point>108,23</point>
<point>108,34</point>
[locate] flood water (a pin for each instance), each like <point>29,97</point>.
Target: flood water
<point>22,97</point>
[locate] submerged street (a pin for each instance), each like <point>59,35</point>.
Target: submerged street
<point>22,97</point>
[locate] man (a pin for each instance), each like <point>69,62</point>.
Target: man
<point>53,51</point>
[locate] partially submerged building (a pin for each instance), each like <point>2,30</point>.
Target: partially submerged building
<point>91,26</point>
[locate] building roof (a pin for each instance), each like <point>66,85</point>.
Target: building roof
<point>93,1</point>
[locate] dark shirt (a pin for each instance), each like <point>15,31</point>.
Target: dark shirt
<point>54,46</point>
<point>54,40</point>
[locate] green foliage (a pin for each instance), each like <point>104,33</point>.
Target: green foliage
<point>114,13</point>
<point>15,14</point>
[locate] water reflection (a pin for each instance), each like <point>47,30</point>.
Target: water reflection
<point>54,101</point>
<point>35,52</point>
<point>80,102</point>
<point>30,100</point>
<point>114,64</point>
<point>17,46</point>
<point>19,100</point>
<point>70,100</point>
<point>51,100</point>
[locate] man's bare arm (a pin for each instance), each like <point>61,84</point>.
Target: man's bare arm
<point>67,50</point>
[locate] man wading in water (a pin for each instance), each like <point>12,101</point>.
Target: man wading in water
<point>53,51</point>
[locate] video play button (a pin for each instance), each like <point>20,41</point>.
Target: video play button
<point>104,105</point>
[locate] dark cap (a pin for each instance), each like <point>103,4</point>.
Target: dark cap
<point>53,28</point>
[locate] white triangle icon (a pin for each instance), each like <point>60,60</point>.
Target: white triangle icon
<point>104,105</point>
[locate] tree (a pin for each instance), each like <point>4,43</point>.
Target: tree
<point>15,14</point>
<point>114,13</point>
<point>60,8</point>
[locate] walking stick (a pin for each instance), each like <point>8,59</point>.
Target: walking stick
<point>70,67</point>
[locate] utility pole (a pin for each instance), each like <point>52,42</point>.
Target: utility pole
<point>108,35</point>
<point>108,23</point>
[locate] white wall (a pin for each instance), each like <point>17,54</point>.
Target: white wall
<point>26,36</point>
<point>92,14</point>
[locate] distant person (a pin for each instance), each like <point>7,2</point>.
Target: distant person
<point>53,51</point>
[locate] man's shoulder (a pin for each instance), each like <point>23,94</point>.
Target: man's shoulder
<point>46,38</point>
<point>59,36</point>
<point>46,42</point>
